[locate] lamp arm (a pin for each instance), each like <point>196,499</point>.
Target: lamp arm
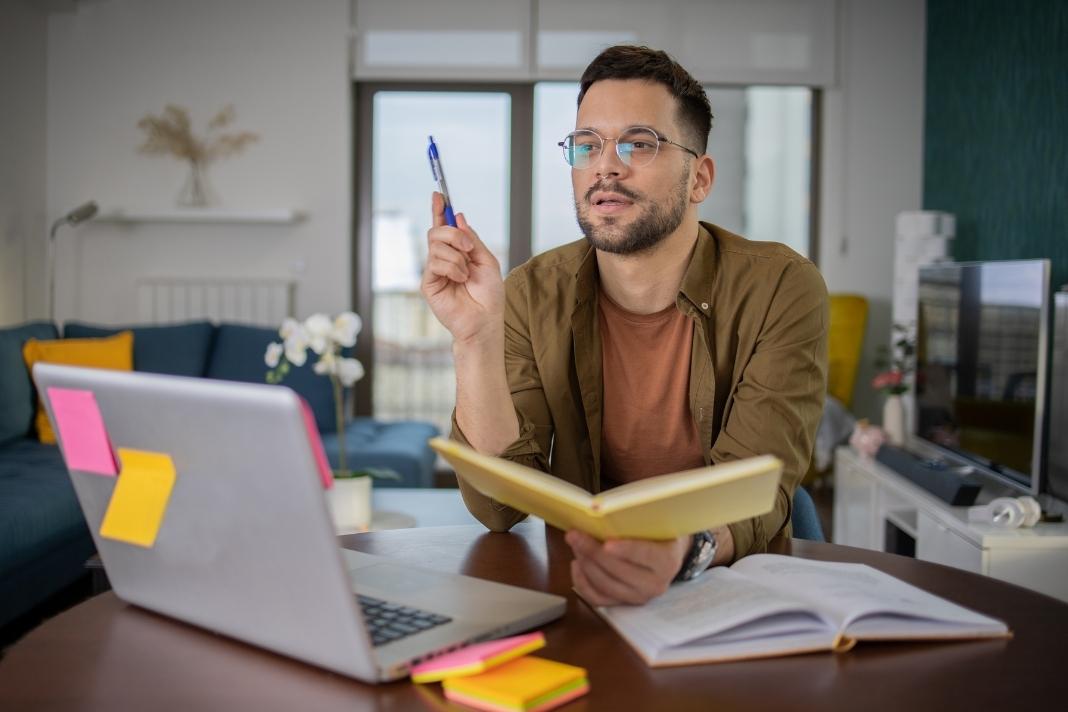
<point>80,214</point>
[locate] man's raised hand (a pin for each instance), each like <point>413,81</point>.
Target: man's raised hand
<point>462,280</point>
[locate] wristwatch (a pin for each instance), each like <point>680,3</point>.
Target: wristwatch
<point>699,557</point>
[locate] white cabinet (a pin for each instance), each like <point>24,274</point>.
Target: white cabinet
<point>940,544</point>
<point>875,508</point>
<point>854,506</point>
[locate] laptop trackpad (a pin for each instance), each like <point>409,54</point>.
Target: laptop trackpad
<point>390,578</point>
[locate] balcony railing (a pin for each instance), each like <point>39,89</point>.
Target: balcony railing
<point>413,372</point>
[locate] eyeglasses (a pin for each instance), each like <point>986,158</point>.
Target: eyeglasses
<point>636,146</point>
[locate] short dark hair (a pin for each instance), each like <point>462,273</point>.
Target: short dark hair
<point>634,62</point>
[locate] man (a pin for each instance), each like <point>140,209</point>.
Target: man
<point>656,344</point>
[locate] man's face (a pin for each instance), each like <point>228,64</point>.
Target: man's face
<point>628,209</point>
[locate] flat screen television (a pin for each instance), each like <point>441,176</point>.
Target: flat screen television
<point>982,332</point>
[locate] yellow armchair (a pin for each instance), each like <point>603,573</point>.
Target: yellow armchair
<point>845,340</point>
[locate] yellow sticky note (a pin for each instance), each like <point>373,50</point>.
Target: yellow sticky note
<point>139,501</point>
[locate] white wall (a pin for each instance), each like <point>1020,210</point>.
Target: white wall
<point>22,162</point>
<point>282,64</point>
<point>872,160</point>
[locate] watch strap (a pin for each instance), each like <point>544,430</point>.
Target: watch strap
<point>699,557</point>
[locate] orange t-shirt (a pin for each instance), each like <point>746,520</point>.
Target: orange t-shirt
<point>647,428</point>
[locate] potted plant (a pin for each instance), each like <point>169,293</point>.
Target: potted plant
<point>896,363</point>
<point>350,497</point>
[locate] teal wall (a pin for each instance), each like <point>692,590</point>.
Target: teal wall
<point>996,127</point>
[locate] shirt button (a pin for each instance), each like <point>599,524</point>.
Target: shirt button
<point>704,305</point>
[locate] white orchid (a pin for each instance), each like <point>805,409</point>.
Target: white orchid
<point>326,365</point>
<point>289,326</point>
<point>346,326</point>
<point>349,370</point>
<point>326,337</point>
<point>296,349</point>
<point>319,328</point>
<point>274,354</point>
<point>294,344</point>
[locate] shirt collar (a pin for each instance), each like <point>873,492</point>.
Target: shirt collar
<point>696,284</point>
<point>586,277</point>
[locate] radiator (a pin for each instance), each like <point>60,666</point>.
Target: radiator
<point>263,302</point>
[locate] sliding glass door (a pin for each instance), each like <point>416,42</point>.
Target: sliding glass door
<point>410,373</point>
<point>507,175</point>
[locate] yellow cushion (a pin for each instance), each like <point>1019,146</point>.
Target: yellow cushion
<point>114,352</point>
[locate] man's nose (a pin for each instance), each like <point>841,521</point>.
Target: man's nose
<point>609,163</point>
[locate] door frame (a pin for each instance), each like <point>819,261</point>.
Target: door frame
<point>519,199</point>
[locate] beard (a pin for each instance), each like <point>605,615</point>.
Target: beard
<point>647,230</point>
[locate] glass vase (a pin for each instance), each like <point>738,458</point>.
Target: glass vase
<point>196,193</point>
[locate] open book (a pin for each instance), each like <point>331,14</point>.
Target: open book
<point>768,605</point>
<point>662,507</point>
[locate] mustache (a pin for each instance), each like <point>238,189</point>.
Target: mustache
<point>613,188</point>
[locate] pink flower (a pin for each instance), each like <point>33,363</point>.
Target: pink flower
<point>888,379</point>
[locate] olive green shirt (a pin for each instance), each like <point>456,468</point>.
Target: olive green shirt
<point>758,370</point>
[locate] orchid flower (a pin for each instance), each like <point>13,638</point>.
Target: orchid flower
<point>326,338</point>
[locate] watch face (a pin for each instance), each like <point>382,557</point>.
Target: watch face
<point>701,554</point>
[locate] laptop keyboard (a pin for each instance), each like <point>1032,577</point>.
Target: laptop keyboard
<point>388,622</point>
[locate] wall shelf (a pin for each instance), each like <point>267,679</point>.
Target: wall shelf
<point>203,215</point>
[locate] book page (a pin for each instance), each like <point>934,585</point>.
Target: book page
<point>719,601</point>
<point>878,604</point>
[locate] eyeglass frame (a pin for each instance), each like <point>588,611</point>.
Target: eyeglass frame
<point>659,140</point>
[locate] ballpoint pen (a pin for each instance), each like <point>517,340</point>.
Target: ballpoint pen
<point>439,176</point>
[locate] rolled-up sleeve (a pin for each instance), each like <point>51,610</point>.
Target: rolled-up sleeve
<point>531,448</point>
<point>776,406</point>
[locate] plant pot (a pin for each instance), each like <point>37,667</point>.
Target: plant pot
<point>894,419</point>
<point>350,504</point>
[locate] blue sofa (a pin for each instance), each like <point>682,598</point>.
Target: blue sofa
<point>44,541</point>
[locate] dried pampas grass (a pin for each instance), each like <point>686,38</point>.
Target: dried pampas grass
<point>171,133</point>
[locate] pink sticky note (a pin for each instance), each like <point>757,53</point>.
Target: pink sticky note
<point>81,430</point>
<point>325,473</point>
<point>477,658</point>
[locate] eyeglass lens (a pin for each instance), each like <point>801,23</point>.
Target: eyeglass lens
<point>635,147</point>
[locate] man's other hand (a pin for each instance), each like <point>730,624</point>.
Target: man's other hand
<point>630,571</point>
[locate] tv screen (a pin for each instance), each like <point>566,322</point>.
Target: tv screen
<point>981,340</point>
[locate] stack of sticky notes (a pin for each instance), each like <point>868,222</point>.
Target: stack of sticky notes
<point>500,676</point>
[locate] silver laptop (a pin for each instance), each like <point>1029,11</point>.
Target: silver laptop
<point>247,546</point>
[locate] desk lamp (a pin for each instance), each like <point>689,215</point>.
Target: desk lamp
<point>80,214</point>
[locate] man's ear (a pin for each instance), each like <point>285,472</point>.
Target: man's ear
<point>704,177</point>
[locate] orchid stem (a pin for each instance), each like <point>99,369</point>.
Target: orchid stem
<point>339,416</point>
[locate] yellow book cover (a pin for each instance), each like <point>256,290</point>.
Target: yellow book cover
<point>524,684</point>
<point>662,507</point>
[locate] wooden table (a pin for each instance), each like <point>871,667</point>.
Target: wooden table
<point>106,655</point>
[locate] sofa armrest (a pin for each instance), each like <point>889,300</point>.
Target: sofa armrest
<point>400,446</point>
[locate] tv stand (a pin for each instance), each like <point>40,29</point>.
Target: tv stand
<point>877,508</point>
